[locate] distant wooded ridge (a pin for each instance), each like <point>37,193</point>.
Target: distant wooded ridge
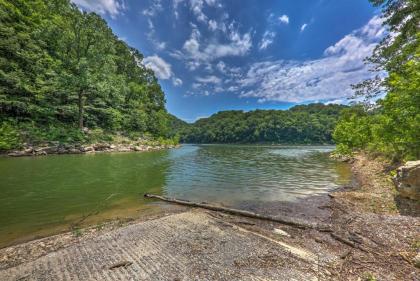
<point>301,124</point>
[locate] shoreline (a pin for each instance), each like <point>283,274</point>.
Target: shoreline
<point>63,149</point>
<point>365,212</point>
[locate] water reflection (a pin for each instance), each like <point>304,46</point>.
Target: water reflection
<point>231,174</point>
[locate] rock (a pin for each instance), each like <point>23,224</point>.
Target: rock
<point>46,150</point>
<point>18,153</point>
<point>123,149</point>
<point>416,260</point>
<point>101,146</point>
<point>28,150</point>
<point>87,149</point>
<point>138,148</point>
<point>407,180</point>
<point>281,232</point>
<point>74,151</point>
<point>62,150</point>
<point>112,146</point>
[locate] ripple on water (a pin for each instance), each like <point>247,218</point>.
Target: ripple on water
<point>232,174</point>
<point>43,195</point>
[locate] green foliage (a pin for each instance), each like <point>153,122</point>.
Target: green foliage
<point>9,137</point>
<point>392,128</point>
<point>63,69</point>
<point>401,18</point>
<point>301,124</point>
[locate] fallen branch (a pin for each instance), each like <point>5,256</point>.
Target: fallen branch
<point>120,264</point>
<point>298,224</point>
<point>348,242</point>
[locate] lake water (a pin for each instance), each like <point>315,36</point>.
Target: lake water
<point>45,195</point>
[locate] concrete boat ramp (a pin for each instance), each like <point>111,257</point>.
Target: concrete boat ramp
<point>193,245</point>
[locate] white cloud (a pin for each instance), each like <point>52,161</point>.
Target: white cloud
<point>267,39</point>
<point>151,36</point>
<point>154,8</point>
<point>212,25</point>
<point>196,53</point>
<point>302,28</point>
<point>328,78</point>
<point>221,66</point>
<point>211,79</point>
<point>196,7</point>
<point>196,86</point>
<point>161,68</point>
<point>284,19</point>
<point>111,7</point>
<point>175,4</point>
<point>176,81</point>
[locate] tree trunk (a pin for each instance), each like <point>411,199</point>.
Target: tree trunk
<point>287,221</point>
<point>81,108</point>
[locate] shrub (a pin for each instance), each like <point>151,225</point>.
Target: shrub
<point>9,137</point>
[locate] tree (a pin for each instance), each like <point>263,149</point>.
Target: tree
<point>301,124</point>
<point>402,19</point>
<point>392,127</point>
<point>62,69</point>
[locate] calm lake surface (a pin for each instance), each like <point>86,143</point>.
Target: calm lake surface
<point>45,195</point>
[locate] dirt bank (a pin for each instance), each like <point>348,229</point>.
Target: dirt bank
<point>197,244</point>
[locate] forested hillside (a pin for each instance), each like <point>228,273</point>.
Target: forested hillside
<point>64,76</point>
<point>301,124</point>
<point>392,126</point>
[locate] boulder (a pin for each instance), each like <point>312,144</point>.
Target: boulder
<point>407,180</point>
<point>101,146</point>
<point>87,149</point>
<point>46,150</point>
<point>74,151</point>
<point>19,153</point>
<point>123,149</point>
<point>138,148</point>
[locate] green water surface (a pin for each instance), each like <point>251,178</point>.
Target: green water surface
<point>45,195</point>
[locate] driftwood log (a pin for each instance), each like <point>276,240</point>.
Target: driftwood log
<point>287,221</point>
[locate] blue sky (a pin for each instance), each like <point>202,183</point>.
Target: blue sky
<point>212,55</point>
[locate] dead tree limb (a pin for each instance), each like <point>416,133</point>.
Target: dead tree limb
<point>295,223</point>
<point>348,242</point>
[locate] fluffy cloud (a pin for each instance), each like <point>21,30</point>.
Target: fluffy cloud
<point>196,53</point>
<point>196,7</point>
<point>176,81</point>
<point>211,79</point>
<point>161,68</point>
<point>267,39</point>
<point>212,25</point>
<point>327,78</point>
<point>284,19</point>
<point>111,7</point>
<point>302,28</point>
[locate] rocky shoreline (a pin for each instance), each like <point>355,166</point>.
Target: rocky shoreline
<point>84,149</point>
